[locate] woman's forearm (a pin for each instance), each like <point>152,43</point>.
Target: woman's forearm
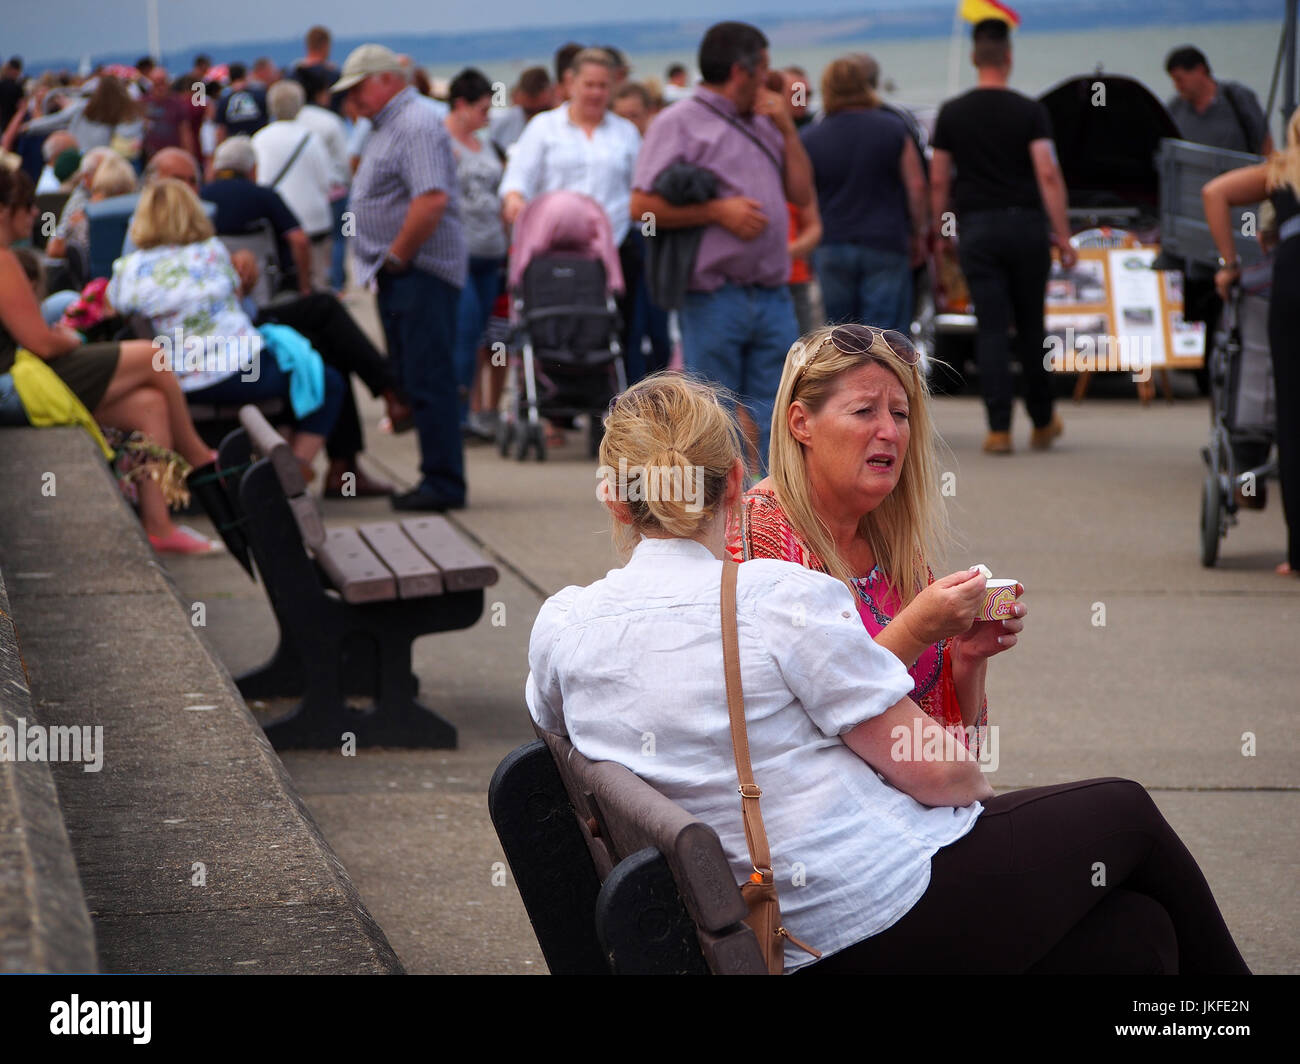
<point>898,638</point>
<point>968,675</point>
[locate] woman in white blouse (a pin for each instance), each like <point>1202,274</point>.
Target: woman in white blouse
<point>582,146</point>
<point>884,833</point>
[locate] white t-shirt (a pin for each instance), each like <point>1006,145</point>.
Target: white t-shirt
<point>333,133</point>
<point>630,668</point>
<point>554,152</point>
<point>305,187</point>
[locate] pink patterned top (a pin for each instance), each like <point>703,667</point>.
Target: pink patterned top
<point>764,531</point>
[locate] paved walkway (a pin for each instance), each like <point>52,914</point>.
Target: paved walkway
<point>1188,662</point>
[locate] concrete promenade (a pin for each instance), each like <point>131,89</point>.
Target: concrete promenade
<point>1135,662</point>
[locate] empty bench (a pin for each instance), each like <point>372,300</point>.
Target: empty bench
<point>349,602</point>
<point>616,878</point>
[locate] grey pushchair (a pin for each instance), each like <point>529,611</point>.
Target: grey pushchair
<point>1242,409</point>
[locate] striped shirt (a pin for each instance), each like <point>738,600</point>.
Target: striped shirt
<point>407,155</point>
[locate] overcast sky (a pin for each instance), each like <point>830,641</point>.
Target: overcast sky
<point>51,29</point>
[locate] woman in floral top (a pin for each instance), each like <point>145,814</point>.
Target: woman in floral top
<point>854,493</point>
<point>182,280</point>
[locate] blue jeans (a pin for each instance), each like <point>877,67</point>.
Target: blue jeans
<point>476,299</point>
<point>338,277</point>
<point>53,305</point>
<point>738,337</point>
<point>418,311</point>
<point>273,382</point>
<point>865,285</point>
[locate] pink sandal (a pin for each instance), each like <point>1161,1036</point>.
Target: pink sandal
<point>184,540</point>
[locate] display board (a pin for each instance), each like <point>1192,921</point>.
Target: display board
<point>1111,313</point>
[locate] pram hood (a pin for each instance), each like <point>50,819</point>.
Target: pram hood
<point>564,221</point>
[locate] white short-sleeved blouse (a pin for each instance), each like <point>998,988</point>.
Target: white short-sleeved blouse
<point>630,668</point>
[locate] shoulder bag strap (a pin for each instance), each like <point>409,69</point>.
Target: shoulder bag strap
<point>748,132</point>
<point>1241,120</point>
<point>755,835</point>
<point>291,160</point>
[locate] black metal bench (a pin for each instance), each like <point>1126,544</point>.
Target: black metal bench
<point>349,601</point>
<point>616,878</point>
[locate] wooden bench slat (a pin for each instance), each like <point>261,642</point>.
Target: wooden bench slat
<point>463,568</point>
<point>416,575</point>
<point>307,515</point>
<point>270,444</point>
<point>356,571</point>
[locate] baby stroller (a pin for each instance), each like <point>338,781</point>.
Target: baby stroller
<point>564,271</point>
<point>1242,411</point>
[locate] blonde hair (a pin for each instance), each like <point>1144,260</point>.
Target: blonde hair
<point>169,213</point>
<point>671,430</point>
<point>845,85</point>
<point>910,526</point>
<point>1283,167</point>
<point>114,176</point>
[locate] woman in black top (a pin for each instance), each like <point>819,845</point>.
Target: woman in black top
<point>1278,179</point>
<point>117,382</point>
<point>871,193</point>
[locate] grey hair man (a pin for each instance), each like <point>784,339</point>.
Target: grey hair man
<point>409,238</point>
<point>292,161</point>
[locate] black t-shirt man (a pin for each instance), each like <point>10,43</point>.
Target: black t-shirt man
<point>11,96</point>
<point>988,132</point>
<point>242,110</point>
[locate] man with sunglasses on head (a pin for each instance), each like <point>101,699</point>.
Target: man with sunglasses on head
<point>1010,201</point>
<point>737,317</point>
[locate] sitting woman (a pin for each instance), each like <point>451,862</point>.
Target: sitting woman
<point>116,382</point>
<point>181,279</point>
<point>891,841</point>
<point>854,492</point>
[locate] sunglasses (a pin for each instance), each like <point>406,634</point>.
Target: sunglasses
<point>858,340</point>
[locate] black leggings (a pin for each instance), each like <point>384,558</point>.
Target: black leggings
<point>1283,323</point>
<point>331,330</point>
<point>1084,877</point>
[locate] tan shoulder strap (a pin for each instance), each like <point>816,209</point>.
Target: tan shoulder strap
<point>755,835</point>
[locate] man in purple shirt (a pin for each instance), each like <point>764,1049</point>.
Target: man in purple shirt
<point>737,321</point>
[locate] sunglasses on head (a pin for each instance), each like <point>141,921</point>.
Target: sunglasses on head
<point>858,340</point>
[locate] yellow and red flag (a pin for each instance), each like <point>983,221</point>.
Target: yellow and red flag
<point>979,10</point>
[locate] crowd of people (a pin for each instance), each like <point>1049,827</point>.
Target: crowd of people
<point>809,422</point>
<point>793,215</point>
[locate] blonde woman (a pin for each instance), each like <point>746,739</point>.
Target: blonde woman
<point>854,492</point>
<point>117,382</point>
<point>182,280</point>
<point>1277,180</point>
<point>889,844</point>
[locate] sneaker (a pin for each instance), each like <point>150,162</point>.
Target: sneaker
<point>422,499</point>
<point>1041,439</point>
<point>184,540</point>
<point>998,443</point>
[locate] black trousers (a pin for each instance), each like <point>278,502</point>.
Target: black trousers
<point>1083,877</point>
<point>1006,257</point>
<point>631,257</point>
<point>1284,345</point>
<point>331,330</point>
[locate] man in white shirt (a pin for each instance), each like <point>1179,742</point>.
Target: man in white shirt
<point>292,160</point>
<point>318,116</point>
<point>581,146</point>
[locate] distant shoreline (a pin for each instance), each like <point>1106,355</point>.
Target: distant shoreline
<point>922,21</point>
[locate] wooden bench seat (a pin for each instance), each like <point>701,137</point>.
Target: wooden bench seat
<point>349,601</point>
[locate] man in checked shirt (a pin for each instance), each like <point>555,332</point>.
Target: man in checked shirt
<point>409,238</point>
